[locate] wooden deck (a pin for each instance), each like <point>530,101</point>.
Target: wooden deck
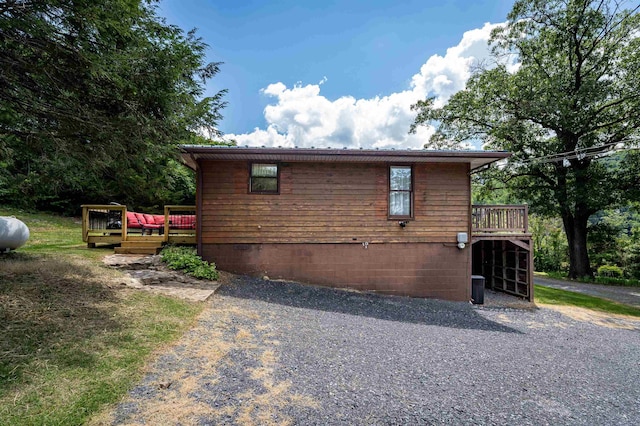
<point>107,224</point>
<point>503,248</point>
<point>499,220</point>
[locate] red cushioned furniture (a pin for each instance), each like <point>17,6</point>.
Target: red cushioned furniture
<point>182,221</point>
<point>149,222</point>
<point>145,222</point>
<point>132,221</point>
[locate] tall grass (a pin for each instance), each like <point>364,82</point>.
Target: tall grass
<point>72,337</point>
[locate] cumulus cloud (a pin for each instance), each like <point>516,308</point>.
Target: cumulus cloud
<point>301,116</point>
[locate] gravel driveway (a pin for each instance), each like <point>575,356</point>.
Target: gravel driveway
<point>282,353</point>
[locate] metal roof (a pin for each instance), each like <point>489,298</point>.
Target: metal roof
<point>192,153</point>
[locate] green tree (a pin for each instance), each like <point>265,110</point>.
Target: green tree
<point>94,98</point>
<point>574,97</point>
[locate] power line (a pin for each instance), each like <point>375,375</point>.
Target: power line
<point>564,154</point>
<point>589,152</point>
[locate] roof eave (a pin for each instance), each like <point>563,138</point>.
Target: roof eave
<point>477,159</point>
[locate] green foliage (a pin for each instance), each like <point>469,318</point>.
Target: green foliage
<point>195,139</point>
<point>633,260</point>
<point>550,251</point>
<point>187,260</point>
<point>625,282</point>
<point>632,255</point>
<point>605,243</point>
<point>614,239</point>
<point>485,190</point>
<point>94,98</point>
<point>576,91</point>
<point>610,271</point>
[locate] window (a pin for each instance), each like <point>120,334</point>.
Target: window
<point>264,179</point>
<point>400,192</point>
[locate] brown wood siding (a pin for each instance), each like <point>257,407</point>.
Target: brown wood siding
<point>409,269</point>
<point>331,203</point>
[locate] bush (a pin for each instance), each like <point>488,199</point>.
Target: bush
<point>550,250</point>
<point>618,281</point>
<point>611,271</point>
<point>633,261</point>
<point>187,260</point>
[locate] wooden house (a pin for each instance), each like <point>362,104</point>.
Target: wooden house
<point>390,221</point>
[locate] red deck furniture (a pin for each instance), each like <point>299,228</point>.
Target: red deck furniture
<point>145,222</point>
<point>148,222</point>
<point>132,221</point>
<point>182,221</point>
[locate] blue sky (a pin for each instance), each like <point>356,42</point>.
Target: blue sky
<point>335,73</point>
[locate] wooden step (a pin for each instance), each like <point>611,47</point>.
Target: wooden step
<point>141,244</point>
<point>137,250</point>
<point>154,238</point>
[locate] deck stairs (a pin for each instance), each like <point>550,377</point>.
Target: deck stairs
<point>141,245</point>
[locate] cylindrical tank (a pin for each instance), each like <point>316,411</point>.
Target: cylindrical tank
<point>13,233</point>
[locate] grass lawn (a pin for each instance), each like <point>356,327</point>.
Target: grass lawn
<point>553,296</point>
<point>72,338</point>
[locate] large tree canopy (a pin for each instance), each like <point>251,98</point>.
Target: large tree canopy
<point>94,96</point>
<point>572,99</point>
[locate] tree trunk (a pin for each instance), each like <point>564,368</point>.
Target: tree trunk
<point>575,227</point>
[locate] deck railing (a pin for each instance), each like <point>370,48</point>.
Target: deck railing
<point>499,219</point>
<point>180,224</point>
<point>104,223</point>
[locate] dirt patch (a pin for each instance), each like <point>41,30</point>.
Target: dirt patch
<point>497,299</point>
<point>148,273</point>
<point>181,388</point>
<point>598,318</point>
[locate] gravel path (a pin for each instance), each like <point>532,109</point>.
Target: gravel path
<point>626,295</point>
<point>281,353</point>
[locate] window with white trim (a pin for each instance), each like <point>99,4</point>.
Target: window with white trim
<point>400,192</point>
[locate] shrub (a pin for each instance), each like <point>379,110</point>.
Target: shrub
<point>618,281</point>
<point>187,260</point>
<point>633,260</point>
<point>612,271</point>
<point>550,251</point>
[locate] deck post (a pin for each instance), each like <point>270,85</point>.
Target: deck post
<point>85,225</point>
<point>124,224</point>
<point>531,268</point>
<point>166,224</point>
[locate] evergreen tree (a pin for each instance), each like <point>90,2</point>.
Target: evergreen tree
<point>94,97</point>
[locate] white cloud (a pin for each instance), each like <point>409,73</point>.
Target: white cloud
<point>443,76</point>
<point>301,116</point>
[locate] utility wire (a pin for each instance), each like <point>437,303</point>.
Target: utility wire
<point>564,154</point>
<point>581,153</point>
